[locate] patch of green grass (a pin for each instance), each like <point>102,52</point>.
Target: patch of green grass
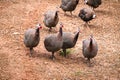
<point>68,51</point>
<point>78,73</point>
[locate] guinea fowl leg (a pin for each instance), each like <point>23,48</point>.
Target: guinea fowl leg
<point>93,9</point>
<point>89,63</point>
<point>64,50</point>
<point>52,57</point>
<point>64,13</point>
<point>87,25</point>
<point>50,29</point>
<point>71,13</point>
<point>31,52</point>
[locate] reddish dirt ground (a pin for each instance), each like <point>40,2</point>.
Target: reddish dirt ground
<point>18,15</point>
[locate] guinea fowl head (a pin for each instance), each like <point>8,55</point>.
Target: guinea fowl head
<point>85,1</point>
<point>82,13</point>
<point>61,26</point>
<point>38,26</point>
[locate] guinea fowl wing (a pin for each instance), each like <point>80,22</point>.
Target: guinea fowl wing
<point>99,2</point>
<point>29,37</point>
<point>49,41</point>
<point>85,47</point>
<point>52,43</point>
<point>65,2</point>
<point>68,5</point>
<point>67,40</point>
<point>49,17</point>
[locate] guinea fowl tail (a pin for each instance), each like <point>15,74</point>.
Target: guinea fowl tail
<point>56,15</point>
<point>60,32</point>
<point>91,43</point>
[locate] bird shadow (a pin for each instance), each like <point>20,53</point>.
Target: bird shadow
<point>52,30</point>
<point>80,60</point>
<point>77,60</point>
<point>70,59</point>
<point>75,16</point>
<point>47,56</point>
<point>88,26</point>
<point>103,12</point>
<point>72,16</point>
<point>40,55</point>
<point>60,59</point>
<point>69,15</point>
<point>84,61</point>
<point>91,26</point>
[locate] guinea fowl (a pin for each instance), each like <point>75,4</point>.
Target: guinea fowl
<point>89,48</point>
<point>31,37</point>
<point>69,40</point>
<point>51,19</point>
<point>69,5</point>
<point>54,42</point>
<point>93,3</point>
<point>87,14</point>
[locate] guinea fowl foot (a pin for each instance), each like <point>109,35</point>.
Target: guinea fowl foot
<point>93,9</point>
<point>71,13</point>
<point>89,63</point>
<point>50,29</point>
<point>64,52</point>
<point>52,57</point>
<point>30,55</point>
<point>86,24</point>
<point>64,55</point>
<point>65,14</point>
<point>31,52</point>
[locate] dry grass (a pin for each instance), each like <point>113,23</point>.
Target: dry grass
<point>17,16</point>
